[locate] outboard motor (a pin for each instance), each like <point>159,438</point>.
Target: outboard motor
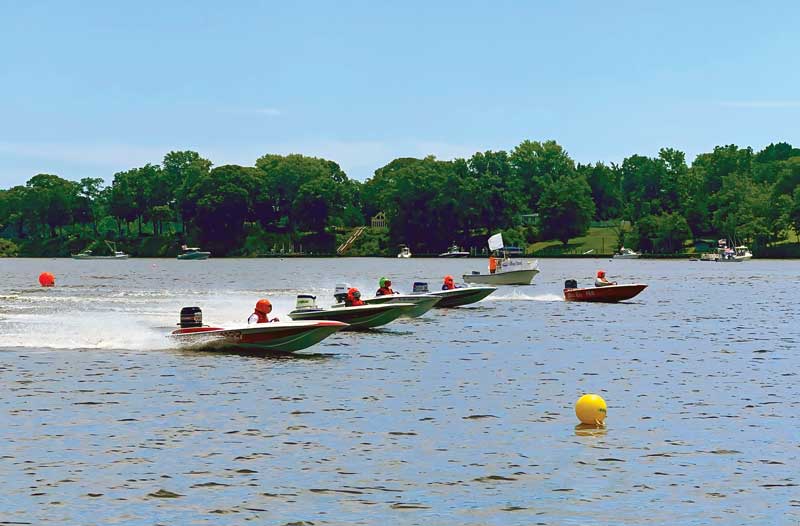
<point>570,284</point>
<point>420,287</point>
<point>191,317</point>
<point>306,302</point>
<point>340,291</point>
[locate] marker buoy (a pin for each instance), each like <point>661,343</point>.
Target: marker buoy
<point>591,409</point>
<point>46,279</point>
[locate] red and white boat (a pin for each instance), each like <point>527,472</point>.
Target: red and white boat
<point>280,336</point>
<point>607,294</point>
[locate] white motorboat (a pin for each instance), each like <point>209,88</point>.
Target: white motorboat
<point>404,253</point>
<point>734,255</point>
<point>626,253</point>
<point>507,271</point>
<point>193,253</point>
<point>454,251</point>
<point>87,254</point>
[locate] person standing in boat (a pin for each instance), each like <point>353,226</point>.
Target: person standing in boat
<point>385,289</point>
<point>261,313</point>
<point>353,298</point>
<point>601,280</point>
<point>492,264</point>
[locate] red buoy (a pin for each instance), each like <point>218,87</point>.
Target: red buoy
<point>46,279</point>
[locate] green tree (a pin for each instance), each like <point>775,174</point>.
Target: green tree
<point>566,208</point>
<point>537,164</point>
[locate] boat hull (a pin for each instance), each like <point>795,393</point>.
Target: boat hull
<point>82,257</point>
<point>194,256</point>
<point>509,277</point>
<point>454,255</point>
<point>422,303</point>
<point>462,296</point>
<point>627,256</point>
<point>284,337</point>
<point>609,294</point>
<point>357,318</point>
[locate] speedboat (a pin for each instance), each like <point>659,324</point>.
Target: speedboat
<point>357,318</point>
<point>404,253</point>
<point>509,272</point>
<point>454,297</point>
<point>454,252</point>
<point>87,254</point>
<point>281,336</point>
<point>607,294</point>
<point>626,253</point>
<point>734,255</point>
<point>422,302</point>
<point>193,253</point>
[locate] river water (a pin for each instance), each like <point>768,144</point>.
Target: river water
<point>464,416</point>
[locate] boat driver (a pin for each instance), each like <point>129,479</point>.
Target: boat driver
<point>601,280</point>
<point>385,289</point>
<point>449,283</point>
<point>261,313</point>
<point>353,298</point>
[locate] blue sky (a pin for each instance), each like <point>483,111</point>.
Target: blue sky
<point>91,88</point>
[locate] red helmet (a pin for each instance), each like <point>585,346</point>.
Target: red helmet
<point>448,279</point>
<point>601,273</point>
<point>354,293</point>
<point>263,306</point>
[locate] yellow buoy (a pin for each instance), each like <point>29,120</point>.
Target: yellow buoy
<point>591,409</point>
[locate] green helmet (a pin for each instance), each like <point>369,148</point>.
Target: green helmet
<point>382,281</point>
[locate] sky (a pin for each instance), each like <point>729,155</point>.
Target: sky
<point>91,88</point>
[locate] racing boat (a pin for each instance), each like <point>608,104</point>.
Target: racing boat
<point>193,253</point>
<point>404,253</point>
<point>454,297</point>
<point>286,336</point>
<point>422,302</point>
<point>607,294</point>
<point>356,318</point>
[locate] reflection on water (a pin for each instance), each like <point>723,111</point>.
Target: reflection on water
<point>464,416</point>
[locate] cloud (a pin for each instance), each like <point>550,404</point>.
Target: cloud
<point>761,104</point>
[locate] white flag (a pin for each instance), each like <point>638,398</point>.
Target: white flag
<point>496,242</point>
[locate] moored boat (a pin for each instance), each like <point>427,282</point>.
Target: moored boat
<point>626,253</point>
<point>287,336</point>
<point>454,297</point>
<point>358,317</point>
<point>193,253</point>
<point>607,294</point>
<point>454,251</point>
<point>115,254</point>
<point>404,253</point>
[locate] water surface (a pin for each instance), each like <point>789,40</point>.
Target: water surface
<point>464,416</point>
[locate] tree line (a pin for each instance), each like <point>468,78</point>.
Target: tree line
<point>532,193</point>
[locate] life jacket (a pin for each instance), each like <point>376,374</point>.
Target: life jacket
<point>384,291</point>
<point>262,318</point>
<point>492,264</point>
<point>351,300</point>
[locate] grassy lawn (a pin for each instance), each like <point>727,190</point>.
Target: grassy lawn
<point>603,240</point>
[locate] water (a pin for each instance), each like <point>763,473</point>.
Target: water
<point>464,416</point>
